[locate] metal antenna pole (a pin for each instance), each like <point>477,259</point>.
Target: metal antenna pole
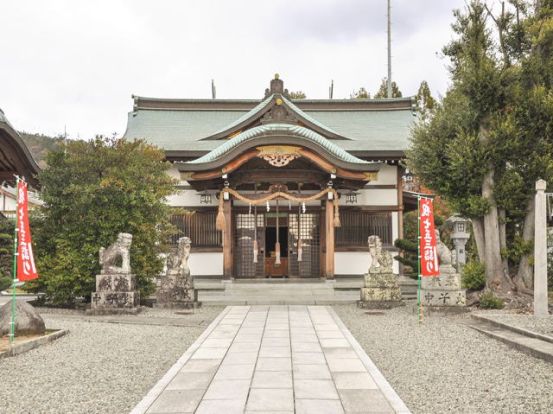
<point>389,49</point>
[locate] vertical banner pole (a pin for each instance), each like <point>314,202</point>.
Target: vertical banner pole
<point>14,275</point>
<point>419,302</point>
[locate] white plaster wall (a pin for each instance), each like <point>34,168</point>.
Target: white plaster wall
<point>189,198</point>
<point>386,176</point>
<point>206,263</point>
<point>351,263</point>
<point>373,197</point>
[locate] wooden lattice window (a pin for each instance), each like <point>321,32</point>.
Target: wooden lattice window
<point>199,225</point>
<point>358,225</point>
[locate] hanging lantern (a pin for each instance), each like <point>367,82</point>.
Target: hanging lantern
<point>303,209</point>
<point>268,206</point>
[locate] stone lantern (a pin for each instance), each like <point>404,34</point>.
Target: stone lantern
<point>459,236</point>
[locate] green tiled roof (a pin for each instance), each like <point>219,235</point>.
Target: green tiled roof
<point>184,129</point>
<point>272,129</point>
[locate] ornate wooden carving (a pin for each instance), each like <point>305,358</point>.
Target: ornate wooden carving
<point>278,156</point>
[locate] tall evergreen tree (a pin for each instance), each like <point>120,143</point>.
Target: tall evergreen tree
<point>424,101</point>
<point>490,138</point>
<point>383,90</point>
<point>361,93</point>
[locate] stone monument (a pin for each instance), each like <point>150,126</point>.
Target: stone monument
<point>381,287</point>
<point>443,290</point>
<point>177,287</point>
<point>116,286</point>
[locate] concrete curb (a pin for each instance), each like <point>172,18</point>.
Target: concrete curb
<point>158,388</point>
<point>33,343</point>
<point>521,331</point>
<point>387,390</point>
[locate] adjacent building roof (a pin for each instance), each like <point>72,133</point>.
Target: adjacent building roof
<point>15,158</point>
<point>361,126</point>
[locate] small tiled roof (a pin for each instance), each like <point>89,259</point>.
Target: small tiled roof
<point>278,129</point>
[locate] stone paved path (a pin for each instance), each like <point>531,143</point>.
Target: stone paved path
<point>273,359</point>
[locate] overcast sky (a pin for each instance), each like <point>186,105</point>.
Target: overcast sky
<point>75,64</point>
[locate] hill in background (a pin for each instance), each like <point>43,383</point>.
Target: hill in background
<point>40,145</point>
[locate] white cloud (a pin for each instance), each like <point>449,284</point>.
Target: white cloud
<point>76,63</point>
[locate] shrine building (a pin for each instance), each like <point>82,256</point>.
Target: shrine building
<point>280,187</point>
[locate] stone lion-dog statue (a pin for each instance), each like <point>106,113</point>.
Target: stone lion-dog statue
<point>120,249</point>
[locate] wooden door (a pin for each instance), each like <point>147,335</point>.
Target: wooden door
<point>246,234</point>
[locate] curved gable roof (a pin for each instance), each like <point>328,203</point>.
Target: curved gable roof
<point>279,134</point>
<point>257,112</point>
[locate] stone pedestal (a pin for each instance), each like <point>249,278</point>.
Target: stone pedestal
<point>115,293</point>
<point>380,291</point>
<point>443,291</point>
<point>176,291</point>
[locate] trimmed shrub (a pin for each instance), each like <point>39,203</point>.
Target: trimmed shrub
<point>489,301</point>
<point>474,276</point>
<point>5,282</point>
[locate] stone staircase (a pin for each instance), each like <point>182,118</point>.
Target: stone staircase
<point>215,291</point>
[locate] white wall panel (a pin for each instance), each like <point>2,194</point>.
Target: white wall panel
<point>206,263</point>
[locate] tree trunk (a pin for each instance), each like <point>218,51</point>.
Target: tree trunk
<point>524,278</point>
<point>478,232</point>
<point>496,279</point>
<point>503,239</point>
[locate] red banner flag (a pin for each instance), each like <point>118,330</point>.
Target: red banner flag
<point>26,269</point>
<point>427,242</point>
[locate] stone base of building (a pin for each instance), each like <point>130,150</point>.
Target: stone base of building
<point>115,293</point>
<point>379,304</point>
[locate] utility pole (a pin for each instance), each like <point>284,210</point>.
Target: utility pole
<point>213,90</point>
<point>389,49</point>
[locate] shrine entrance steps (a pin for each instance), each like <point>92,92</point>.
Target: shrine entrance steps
<point>314,291</point>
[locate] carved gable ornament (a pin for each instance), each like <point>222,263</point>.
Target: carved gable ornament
<point>279,155</point>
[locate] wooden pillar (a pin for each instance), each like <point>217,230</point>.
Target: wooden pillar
<point>400,202</point>
<point>227,240</point>
<point>329,239</point>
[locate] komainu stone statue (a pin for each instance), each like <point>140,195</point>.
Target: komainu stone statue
<point>120,249</point>
<point>381,288</point>
<point>177,287</point>
<point>116,286</point>
<point>443,290</point>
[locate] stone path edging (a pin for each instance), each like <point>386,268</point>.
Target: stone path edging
<point>157,389</point>
<point>389,393</point>
<point>531,345</point>
<point>521,331</point>
<point>33,343</point>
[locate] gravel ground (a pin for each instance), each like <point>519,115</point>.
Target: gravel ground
<point>540,325</point>
<point>444,366</point>
<point>98,367</point>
